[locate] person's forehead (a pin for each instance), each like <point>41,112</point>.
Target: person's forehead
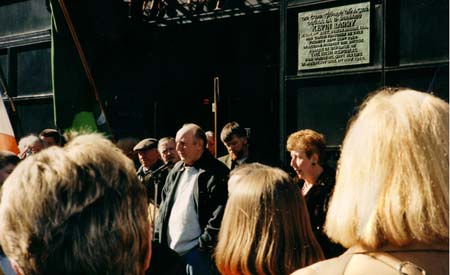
<point>170,143</point>
<point>36,143</point>
<point>47,138</point>
<point>185,134</point>
<point>167,145</point>
<point>235,138</point>
<point>149,151</point>
<point>297,153</point>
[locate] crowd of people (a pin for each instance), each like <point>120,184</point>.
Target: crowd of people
<point>77,203</point>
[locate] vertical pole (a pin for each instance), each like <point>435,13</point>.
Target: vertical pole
<point>282,74</point>
<point>5,90</point>
<point>214,109</point>
<point>384,45</point>
<point>84,62</point>
<point>155,120</point>
<point>155,203</point>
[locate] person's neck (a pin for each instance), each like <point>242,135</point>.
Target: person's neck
<point>244,154</point>
<point>147,168</point>
<point>317,171</point>
<point>192,162</point>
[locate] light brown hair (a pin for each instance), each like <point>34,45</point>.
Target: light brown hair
<point>265,229</point>
<point>232,129</point>
<point>75,210</point>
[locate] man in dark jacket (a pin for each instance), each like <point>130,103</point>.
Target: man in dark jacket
<point>237,141</point>
<point>193,201</point>
<point>234,137</point>
<point>147,150</point>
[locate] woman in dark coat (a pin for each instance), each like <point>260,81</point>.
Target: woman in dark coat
<point>316,180</point>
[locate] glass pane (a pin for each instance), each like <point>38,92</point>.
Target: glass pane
<point>24,16</point>
<point>26,121</point>
<point>33,70</point>
<point>434,80</point>
<point>423,34</point>
<point>326,104</point>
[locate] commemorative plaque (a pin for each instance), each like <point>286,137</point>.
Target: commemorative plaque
<point>338,36</point>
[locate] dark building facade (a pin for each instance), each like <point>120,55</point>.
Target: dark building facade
<point>156,72</point>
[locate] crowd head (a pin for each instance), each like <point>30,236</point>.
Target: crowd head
<point>30,144</point>
<point>191,143</point>
<point>52,137</point>
<point>76,210</point>
<point>235,139</point>
<point>8,161</point>
<point>80,209</point>
<point>308,142</point>
<point>265,228</point>
<point>307,150</point>
<point>393,177</point>
<point>147,150</point>
<point>167,150</point>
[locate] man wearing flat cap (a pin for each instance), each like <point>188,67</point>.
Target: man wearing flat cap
<point>52,137</point>
<point>149,158</point>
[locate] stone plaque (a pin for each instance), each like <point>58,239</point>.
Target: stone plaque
<point>334,37</point>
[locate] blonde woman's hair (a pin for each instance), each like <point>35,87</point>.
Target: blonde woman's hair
<point>265,229</point>
<point>392,180</point>
<point>75,210</point>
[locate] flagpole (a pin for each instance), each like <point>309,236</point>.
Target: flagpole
<point>215,109</point>
<point>84,61</point>
<point>5,90</point>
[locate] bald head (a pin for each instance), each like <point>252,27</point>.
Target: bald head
<point>191,143</point>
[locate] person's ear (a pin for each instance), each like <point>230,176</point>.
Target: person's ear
<point>245,140</point>
<point>16,267</point>
<point>314,159</point>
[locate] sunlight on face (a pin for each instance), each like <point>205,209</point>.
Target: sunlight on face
<point>301,164</point>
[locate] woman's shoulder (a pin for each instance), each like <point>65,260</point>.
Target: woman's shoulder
<point>330,266</point>
<point>305,271</point>
<point>357,260</point>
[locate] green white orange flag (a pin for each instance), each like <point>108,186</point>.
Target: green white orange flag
<point>7,139</point>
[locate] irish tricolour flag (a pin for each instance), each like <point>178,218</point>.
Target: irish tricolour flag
<point>7,139</point>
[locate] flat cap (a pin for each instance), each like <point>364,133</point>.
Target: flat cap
<point>48,131</point>
<point>146,144</point>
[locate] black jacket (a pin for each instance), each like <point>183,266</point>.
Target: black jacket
<point>210,198</point>
<point>229,162</point>
<point>150,181</point>
<point>165,261</point>
<point>317,200</point>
